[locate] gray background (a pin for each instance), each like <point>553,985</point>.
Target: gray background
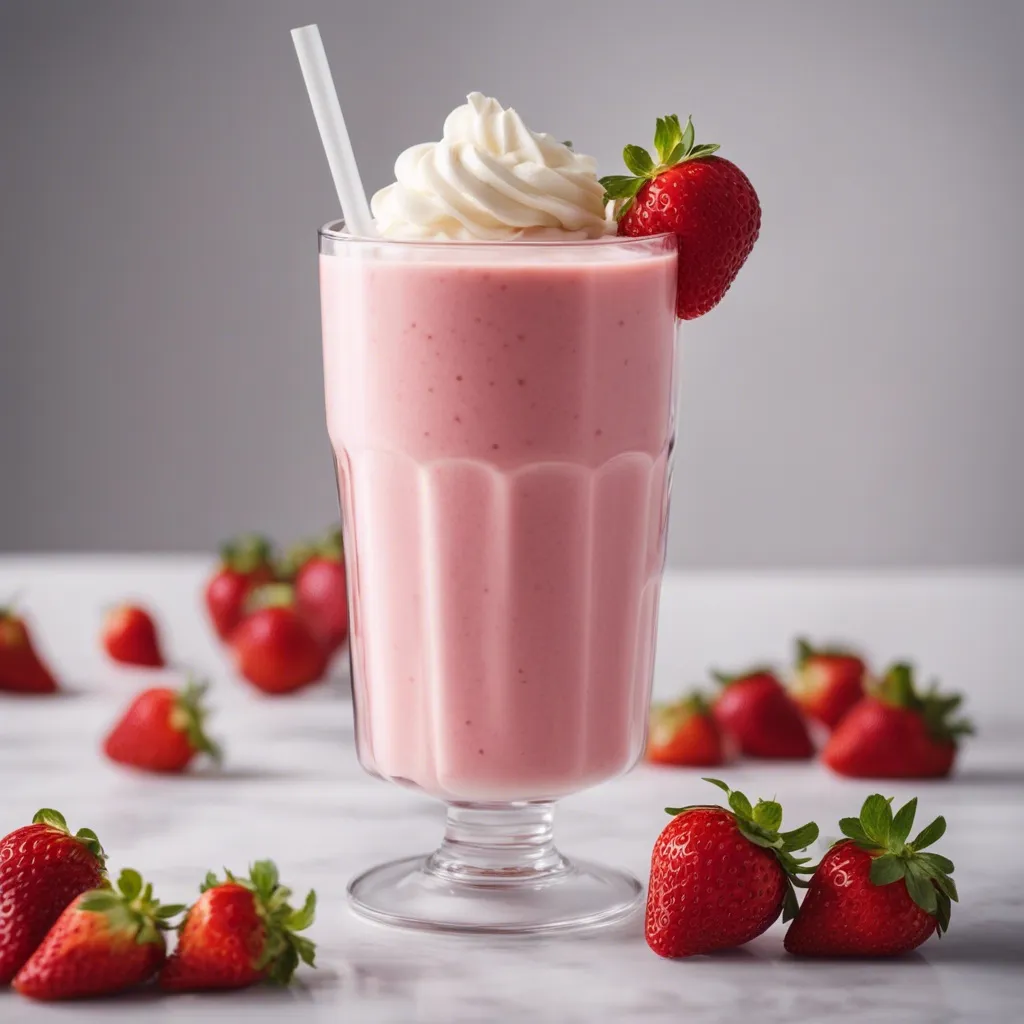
<point>855,401</point>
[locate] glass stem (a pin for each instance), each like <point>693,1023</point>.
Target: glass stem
<point>498,844</point>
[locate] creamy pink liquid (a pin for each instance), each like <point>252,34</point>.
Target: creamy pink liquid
<point>502,428</point>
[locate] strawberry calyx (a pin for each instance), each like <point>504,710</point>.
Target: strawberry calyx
<point>897,689</point>
<point>189,716</point>
<point>131,907</point>
<point>725,679</point>
<point>806,652</point>
<point>674,145</point>
<point>246,553</point>
<point>760,825</point>
<point>86,836</point>
<point>282,947</point>
<point>884,835</point>
<point>666,719</point>
<point>270,595</point>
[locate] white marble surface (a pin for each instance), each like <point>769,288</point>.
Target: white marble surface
<point>292,790</point>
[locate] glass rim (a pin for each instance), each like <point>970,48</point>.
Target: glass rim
<point>334,231</point>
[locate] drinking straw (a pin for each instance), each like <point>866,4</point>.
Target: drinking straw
<point>323,96</point>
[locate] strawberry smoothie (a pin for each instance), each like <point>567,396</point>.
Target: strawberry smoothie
<point>502,420</point>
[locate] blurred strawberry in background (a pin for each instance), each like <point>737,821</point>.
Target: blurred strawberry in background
<point>274,646</point>
<point>245,563</point>
<point>754,709</point>
<point>827,682</point>
<point>22,670</point>
<point>897,732</point>
<point>130,637</point>
<point>684,733</point>
<point>317,570</point>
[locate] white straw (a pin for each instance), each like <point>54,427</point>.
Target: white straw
<point>309,48</point>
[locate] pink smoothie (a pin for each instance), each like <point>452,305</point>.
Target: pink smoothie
<point>502,423</point>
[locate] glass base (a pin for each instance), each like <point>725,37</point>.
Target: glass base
<point>497,871</point>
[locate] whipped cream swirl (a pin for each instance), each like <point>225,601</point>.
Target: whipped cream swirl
<point>491,178</point>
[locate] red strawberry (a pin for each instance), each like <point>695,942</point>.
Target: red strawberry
<point>319,575</point>
<point>21,668</point>
<point>104,942</point>
<point>245,563</point>
<point>684,733</point>
<point>130,637</point>
<point>875,894</point>
<point>42,869</point>
<point>274,647</point>
<point>162,730</point>
<point>897,733</point>
<point>708,203</point>
<point>720,877</point>
<point>239,932</point>
<point>755,710</point>
<point>827,683</point>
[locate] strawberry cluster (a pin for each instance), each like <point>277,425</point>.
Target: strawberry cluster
<point>67,932</point>
<point>876,728</point>
<point>720,876</point>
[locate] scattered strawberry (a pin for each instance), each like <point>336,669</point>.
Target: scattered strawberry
<point>162,730</point>
<point>897,733</point>
<point>106,941</point>
<point>130,637</point>
<point>755,710</point>
<point>239,932</point>
<point>827,682</point>
<point>875,894</point>
<point>684,733</point>
<point>42,869</point>
<point>707,202</point>
<point>720,877</point>
<point>319,576</point>
<point>21,668</point>
<point>245,563</point>
<point>274,647</point>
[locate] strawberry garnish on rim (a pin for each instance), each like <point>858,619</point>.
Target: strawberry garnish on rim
<point>707,202</point>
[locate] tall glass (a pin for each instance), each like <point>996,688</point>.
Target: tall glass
<point>502,421</point>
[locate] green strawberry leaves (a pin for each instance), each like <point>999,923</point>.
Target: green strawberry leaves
<point>759,824</point>
<point>884,834</point>
<point>86,836</point>
<point>673,145</point>
<point>283,949</point>
<point>190,715</point>
<point>246,553</point>
<point>897,688</point>
<point>131,907</point>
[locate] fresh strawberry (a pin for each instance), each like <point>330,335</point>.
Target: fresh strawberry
<point>274,647</point>
<point>827,682</point>
<point>245,563</point>
<point>162,730</point>
<point>42,869</point>
<point>130,637</point>
<point>684,733</point>
<point>875,894</point>
<point>239,932</point>
<point>708,203</point>
<point>106,941</point>
<point>21,668</point>
<point>755,710</point>
<point>720,877</point>
<point>897,733</point>
<point>318,571</point>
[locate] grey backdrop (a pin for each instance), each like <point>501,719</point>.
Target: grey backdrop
<point>855,401</point>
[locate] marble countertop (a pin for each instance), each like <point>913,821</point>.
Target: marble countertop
<point>291,789</point>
